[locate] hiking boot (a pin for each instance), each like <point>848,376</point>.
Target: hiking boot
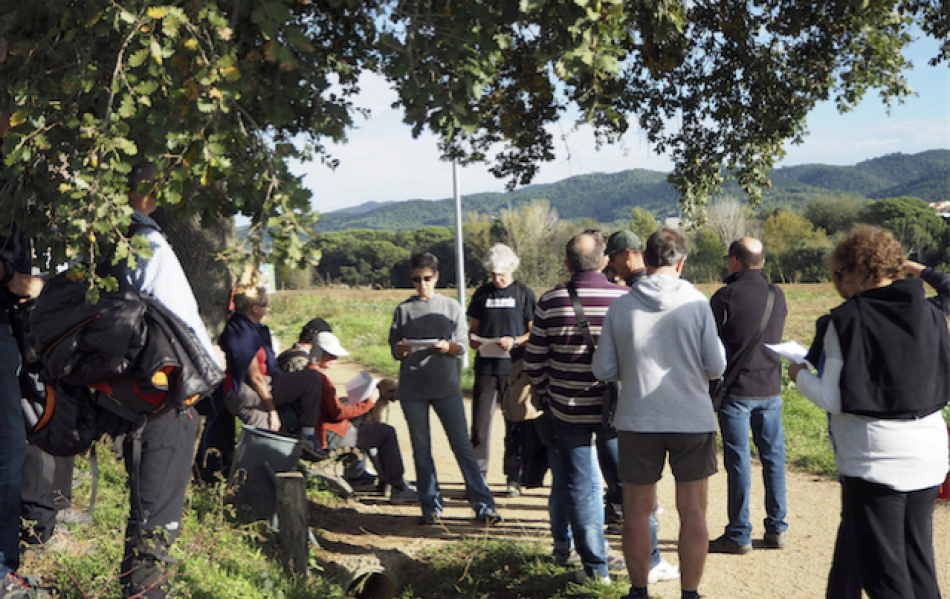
<point>514,490</point>
<point>726,545</point>
<point>73,516</point>
<point>663,572</point>
<point>403,496</point>
<point>565,557</point>
<point>776,540</point>
<point>582,576</point>
<point>489,517</point>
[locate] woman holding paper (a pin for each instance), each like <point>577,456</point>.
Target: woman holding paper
<point>336,429</point>
<point>883,379</point>
<point>500,316</point>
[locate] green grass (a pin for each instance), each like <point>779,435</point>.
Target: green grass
<point>486,567</point>
<point>218,557</point>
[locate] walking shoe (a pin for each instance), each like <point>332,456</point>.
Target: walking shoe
<point>489,517</point>
<point>514,490</point>
<point>776,540</point>
<point>616,564</point>
<point>582,576</point>
<point>566,557</point>
<point>726,545</point>
<point>311,450</point>
<point>365,479</point>
<point>15,587</point>
<point>430,519</point>
<point>403,496</point>
<point>73,516</point>
<point>663,572</point>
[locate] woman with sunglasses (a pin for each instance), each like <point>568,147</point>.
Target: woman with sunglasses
<point>427,336</point>
<point>883,378</point>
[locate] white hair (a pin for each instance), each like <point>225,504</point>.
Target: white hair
<point>501,258</point>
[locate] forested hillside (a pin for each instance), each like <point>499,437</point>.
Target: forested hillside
<point>608,197</point>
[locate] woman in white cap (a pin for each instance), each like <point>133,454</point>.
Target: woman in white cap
<point>336,428</point>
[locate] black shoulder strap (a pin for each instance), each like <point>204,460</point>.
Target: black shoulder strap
<point>581,317</point>
<point>743,356</point>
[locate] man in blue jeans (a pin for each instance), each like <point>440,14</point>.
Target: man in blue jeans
<point>559,364</point>
<point>754,399</point>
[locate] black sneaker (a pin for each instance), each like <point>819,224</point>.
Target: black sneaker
<point>776,540</point>
<point>489,517</point>
<point>726,545</point>
<point>430,519</point>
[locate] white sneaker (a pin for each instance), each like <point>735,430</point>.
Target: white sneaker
<point>663,572</point>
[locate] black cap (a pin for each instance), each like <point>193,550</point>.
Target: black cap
<point>309,332</point>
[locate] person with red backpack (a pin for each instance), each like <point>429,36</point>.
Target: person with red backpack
<point>168,440</point>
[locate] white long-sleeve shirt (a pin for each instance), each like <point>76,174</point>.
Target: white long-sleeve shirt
<point>905,455</point>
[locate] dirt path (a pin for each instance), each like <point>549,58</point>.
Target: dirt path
<point>798,571</point>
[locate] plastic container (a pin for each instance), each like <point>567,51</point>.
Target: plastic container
<point>258,456</point>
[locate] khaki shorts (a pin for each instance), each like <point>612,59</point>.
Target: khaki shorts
<point>642,455</point>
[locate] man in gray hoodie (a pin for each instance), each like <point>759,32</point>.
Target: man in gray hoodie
<point>660,341</point>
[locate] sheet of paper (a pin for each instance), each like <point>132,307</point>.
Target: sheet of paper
<point>793,350</point>
<point>421,344</point>
<point>489,347</point>
<point>360,387</point>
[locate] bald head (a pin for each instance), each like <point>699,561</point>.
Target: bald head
<point>585,252</point>
<point>748,254</point>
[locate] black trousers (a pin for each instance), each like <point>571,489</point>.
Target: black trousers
<point>168,444</point>
<point>47,488</point>
<point>486,392</point>
<point>844,581</point>
<point>893,534</point>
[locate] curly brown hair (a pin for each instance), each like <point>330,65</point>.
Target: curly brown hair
<point>871,251</point>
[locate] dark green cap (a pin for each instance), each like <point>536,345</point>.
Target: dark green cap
<point>624,239</point>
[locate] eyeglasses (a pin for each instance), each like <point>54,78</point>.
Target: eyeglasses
<point>426,278</point>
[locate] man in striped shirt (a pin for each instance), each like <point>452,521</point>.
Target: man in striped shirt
<point>558,362</point>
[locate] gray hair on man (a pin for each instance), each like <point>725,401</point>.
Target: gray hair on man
<point>501,258</point>
<point>666,247</point>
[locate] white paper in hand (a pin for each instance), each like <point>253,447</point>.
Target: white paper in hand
<point>360,387</point>
<point>489,347</point>
<point>793,350</point>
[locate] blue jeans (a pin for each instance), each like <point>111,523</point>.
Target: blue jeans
<point>585,506</point>
<point>451,413</point>
<point>765,417</point>
<point>558,504</point>
<point>12,452</point>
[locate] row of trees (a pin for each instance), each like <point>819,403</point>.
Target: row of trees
<point>798,243</point>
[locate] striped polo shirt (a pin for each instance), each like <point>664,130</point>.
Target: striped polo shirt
<point>557,358</point>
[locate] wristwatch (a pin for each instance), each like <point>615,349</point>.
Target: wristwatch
<point>516,342</point>
<point>8,271</point>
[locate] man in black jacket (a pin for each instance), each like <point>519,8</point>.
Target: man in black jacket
<point>755,398</point>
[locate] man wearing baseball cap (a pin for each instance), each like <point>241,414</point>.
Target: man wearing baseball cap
<point>625,256</point>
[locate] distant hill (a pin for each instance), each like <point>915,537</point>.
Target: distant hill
<point>608,197</point>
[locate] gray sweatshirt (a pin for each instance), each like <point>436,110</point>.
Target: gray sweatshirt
<point>427,373</point>
<point>660,341</point>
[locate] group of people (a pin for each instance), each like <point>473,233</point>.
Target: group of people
<point>623,365</point>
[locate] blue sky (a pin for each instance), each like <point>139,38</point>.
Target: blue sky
<point>381,162</point>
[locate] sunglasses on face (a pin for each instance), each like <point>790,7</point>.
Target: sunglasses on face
<point>426,278</point>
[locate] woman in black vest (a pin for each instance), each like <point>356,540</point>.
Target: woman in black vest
<point>883,379</point>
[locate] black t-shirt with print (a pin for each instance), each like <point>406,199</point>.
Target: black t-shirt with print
<point>500,315</point>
